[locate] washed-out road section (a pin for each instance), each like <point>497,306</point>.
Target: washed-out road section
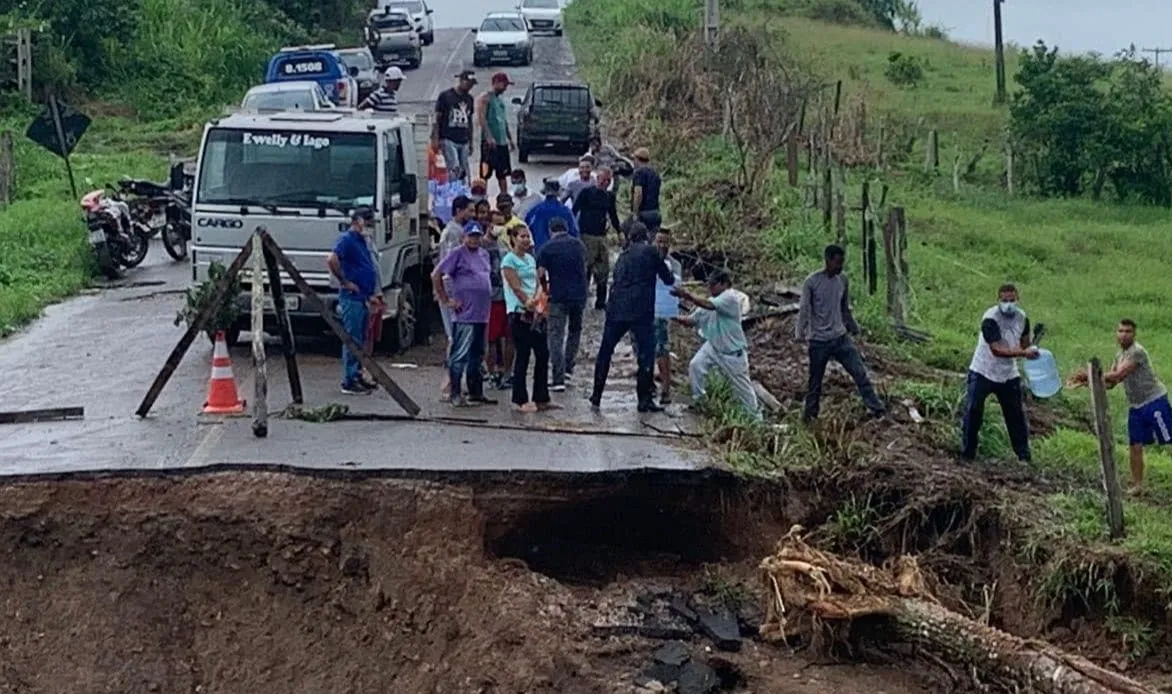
<point>102,350</point>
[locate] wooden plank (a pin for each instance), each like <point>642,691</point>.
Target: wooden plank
<point>890,266</point>
<point>43,415</point>
<point>7,168</point>
<point>1106,450</point>
<point>260,396</point>
<point>196,327</point>
<point>384,380</point>
<point>288,344</point>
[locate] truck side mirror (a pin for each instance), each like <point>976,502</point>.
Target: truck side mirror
<point>408,189</point>
<point>517,100</point>
<point>474,30</point>
<point>598,103</point>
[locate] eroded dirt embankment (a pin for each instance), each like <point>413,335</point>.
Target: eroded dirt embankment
<point>273,582</point>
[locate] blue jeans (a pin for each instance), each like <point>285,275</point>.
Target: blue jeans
<point>354,323</point>
<point>456,158</point>
<point>466,355</point>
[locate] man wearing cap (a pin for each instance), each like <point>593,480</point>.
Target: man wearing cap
<point>544,212</point>
<point>492,115</point>
<point>353,266</point>
<point>452,131</point>
<point>645,193</point>
<point>385,99</point>
<point>469,268</point>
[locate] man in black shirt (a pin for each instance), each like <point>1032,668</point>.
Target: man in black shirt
<point>594,206</point>
<point>632,309</point>
<point>561,264</point>
<point>451,134</point>
<point>645,192</point>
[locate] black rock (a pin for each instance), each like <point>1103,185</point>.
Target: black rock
<point>723,629</point>
<point>660,672</point>
<point>679,606</point>
<point>749,618</point>
<point>697,678</point>
<point>665,627</point>
<point>674,653</point>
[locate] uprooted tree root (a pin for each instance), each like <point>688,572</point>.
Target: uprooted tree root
<point>810,590</point>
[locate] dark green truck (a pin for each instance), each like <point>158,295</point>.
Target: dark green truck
<point>556,117</point>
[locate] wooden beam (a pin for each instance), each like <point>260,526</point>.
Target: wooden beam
<point>1106,450</point>
<point>384,380</point>
<point>43,415</point>
<point>288,344</point>
<point>197,326</point>
<point>260,396</point>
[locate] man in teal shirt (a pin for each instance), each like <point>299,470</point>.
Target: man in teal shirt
<point>725,348</point>
<point>492,115</point>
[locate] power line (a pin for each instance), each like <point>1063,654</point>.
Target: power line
<point>1157,52</point>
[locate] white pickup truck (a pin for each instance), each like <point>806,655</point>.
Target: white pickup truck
<point>298,174</point>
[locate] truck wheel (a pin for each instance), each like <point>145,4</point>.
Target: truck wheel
<point>400,336</point>
<point>558,32</point>
<point>477,62</point>
<point>429,38</point>
<point>231,336</point>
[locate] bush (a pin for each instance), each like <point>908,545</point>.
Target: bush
<point>903,70</point>
<point>840,12</point>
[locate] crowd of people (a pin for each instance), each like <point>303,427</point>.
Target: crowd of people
<point>514,281</point>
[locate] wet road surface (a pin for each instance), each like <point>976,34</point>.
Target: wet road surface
<point>102,350</point>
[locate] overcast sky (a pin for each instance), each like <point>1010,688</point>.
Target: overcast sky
<point>1073,25</point>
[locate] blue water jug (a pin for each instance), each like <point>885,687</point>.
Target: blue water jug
<point>1042,374</point>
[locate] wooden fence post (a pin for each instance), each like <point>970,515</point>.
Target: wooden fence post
<point>866,205</point>
<point>1009,170</point>
<point>1106,450</point>
<point>894,249</point>
<point>932,154</point>
<point>7,168</point>
<point>260,398</point>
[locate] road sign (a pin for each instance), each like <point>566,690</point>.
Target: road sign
<point>44,130</point>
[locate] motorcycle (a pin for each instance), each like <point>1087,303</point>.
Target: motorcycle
<point>159,209</point>
<point>114,238</point>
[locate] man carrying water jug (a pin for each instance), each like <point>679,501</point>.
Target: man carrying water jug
<point>1004,337</point>
<point>1149,416</point>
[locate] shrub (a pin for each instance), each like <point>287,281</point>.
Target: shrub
<point>903,70</point>
<point>840,12</point>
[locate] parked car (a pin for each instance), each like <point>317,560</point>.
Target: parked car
<point>559,116</point>
<point>299,95</point>
<point>320,64</point>
<point>542,15</point>
<point>503,37</point>
<point>368,75</point>
<point>392,38</point>
<point>420,12</point>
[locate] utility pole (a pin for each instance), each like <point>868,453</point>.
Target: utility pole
<point>1157,52</point>
<point>711,21</point>
<point>999,47</point>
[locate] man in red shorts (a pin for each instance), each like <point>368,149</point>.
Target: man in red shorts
<point>498,358</point>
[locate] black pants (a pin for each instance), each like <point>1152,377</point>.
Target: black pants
<point>843,351</point>
<point>528,340</point>
<point>1012,400</point>
<point>643,333</point>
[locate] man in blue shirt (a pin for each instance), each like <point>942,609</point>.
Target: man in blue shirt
<point>544,212</point>
<point>352,265</point>
<point>631,308</point>
<point>645,184</point>
<point>562,268</point>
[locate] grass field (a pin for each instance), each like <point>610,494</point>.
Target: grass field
<point>1080,265</point>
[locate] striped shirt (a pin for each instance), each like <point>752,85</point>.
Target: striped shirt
<point>382,100</point>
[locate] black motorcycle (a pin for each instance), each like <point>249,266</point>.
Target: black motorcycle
<point>162,209</point>
<point>118,242</point>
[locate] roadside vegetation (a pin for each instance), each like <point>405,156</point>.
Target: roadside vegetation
<point>1083,236</point>
<point>149,73</point>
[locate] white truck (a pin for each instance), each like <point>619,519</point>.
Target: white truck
<point>298,174</point>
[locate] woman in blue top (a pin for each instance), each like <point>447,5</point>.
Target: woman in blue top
<point>519,270</point>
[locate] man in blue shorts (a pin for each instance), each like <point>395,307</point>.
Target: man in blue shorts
<point>1149,418</point>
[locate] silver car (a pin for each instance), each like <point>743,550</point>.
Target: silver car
<point>299,95</point>
<point>420,12</point>
<point>393,39</point>
<point>368,76</point>
<point>542,15</point>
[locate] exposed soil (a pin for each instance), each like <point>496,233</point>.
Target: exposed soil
<point>279,582</point>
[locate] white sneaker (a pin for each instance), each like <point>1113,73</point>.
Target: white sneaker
<point>559,388</point>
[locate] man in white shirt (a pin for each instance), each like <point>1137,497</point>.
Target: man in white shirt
<point>1003,338</point>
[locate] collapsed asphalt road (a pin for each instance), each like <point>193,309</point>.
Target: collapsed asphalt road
<point>102,350</point>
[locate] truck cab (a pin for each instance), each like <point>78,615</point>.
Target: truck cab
<point>318,63</point>
<point>299,174</point>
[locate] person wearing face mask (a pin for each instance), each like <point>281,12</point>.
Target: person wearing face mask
<point>523,198</point>
<point>1004,337</point>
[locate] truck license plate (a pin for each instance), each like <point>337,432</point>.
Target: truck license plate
<point>292,303</point>
<point>500,54</point>
<point>158,221</point>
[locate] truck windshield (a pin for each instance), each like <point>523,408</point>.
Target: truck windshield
<point>304,100</point>
<point>287,168</point>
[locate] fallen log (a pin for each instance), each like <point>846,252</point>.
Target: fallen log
<point>809,589</point>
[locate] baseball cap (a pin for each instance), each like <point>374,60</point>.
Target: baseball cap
<point>393,73</point>
<point>473,229</point>
<point>469,75</point>
<point>362,212</point>
<point>501,77</point>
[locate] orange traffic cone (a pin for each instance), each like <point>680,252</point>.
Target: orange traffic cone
<point>222,395</point>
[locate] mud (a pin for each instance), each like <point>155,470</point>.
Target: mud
<point>278,582</point>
